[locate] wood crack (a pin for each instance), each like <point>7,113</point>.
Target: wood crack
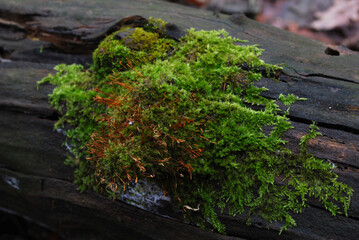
<point>325,76</point>
<point>325,124</point>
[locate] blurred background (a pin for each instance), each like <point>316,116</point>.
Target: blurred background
<point>330,21</point>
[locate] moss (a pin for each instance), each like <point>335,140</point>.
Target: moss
<point>130,43</point>
<point>182,114</point>
<point>108,56</point>
<point>147,46</point>
<point>156,25</point>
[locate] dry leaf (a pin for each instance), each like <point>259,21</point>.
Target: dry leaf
<point>342,13</point>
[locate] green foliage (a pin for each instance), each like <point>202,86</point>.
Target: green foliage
<point>156,25</point>
<point>147,46</point>
<point>74,92</point>
<point>108,56</point>
<point>289,99</point>
<point>137,44</point>
<point>181,113</point>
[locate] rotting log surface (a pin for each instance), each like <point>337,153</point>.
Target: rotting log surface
<point>35,35</point>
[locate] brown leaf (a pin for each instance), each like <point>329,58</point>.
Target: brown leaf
<point>342,13</point>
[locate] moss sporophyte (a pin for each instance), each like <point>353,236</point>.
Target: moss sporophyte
<point>183,115</point>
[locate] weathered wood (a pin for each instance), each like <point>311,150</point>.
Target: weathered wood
<point>36,34</point>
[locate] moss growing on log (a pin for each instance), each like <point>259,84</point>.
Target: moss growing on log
<point>182,114</point>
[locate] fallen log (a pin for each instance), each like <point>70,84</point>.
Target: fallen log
<point>35,184</point>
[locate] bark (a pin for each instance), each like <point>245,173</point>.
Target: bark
<point>35,35</point>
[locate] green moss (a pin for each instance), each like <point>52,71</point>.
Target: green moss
<point>156,25</point>
<point>108,56</point>
<point>147,46</point>
<point>136,44</point>
<point>181,114</point>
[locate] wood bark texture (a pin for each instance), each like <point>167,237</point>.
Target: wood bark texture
<point>35,35</point>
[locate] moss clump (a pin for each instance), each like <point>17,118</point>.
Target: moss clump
<point>108,56</point>
<point>182,115</point>
<point>131,43</point>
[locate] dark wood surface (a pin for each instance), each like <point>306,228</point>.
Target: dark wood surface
<point>35,35</point>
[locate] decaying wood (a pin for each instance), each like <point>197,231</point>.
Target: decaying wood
<point>35,35</point>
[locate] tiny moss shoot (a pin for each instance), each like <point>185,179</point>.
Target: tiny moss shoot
<point>181,113</point>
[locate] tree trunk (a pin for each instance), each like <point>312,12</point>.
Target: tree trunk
<point>35,35</point>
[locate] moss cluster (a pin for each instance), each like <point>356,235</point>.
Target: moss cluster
<point>186,115</point>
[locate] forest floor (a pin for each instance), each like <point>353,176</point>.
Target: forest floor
<point>331,21</point>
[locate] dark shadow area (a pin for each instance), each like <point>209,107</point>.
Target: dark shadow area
<point>13,227</point>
